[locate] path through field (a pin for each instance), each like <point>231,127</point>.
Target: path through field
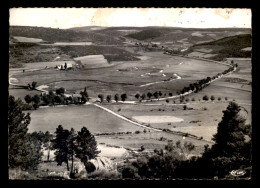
<point>124,118</point>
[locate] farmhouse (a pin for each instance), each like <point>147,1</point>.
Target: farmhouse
<point>65,66</point>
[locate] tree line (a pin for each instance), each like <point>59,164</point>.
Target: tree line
<point>199,85</point>
<point>55,98</point>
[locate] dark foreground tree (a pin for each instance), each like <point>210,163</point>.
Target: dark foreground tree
<point>86,146</point>
<point>23,151</point>
<point>60,144</point>
<point>231,150</point>
<point>17,129</point>
<point>69,144</point>
<point>34,152</point>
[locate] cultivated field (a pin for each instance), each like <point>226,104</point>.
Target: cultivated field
<point>95,119</point>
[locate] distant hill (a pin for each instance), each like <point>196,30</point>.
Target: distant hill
<point>227,47</point>
<point>61,35</point>
<point>145,34</point>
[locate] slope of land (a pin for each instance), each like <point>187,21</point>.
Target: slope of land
<point>226,47</point>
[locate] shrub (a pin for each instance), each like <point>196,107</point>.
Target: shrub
<point>193,99</point>
<point>167,101</point>
<point>226,98</point>
<point>205,98</point>
<point>219,98</point>
<point>34,84</point>
<point>185,107</point>
<point>124,97</point>
<point>205,108</point>
<point>101,97</point>
<point>187,100</point>
<point>90,167</point>
<point>137,132</point>
<point>28,99</point>
<point>129,172</point>
<point>60,91</point>
<point>212,98</point>
<point>119,110</point>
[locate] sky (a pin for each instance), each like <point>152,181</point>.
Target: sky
<point>65,18</point>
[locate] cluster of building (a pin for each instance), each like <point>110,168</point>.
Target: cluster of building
<point>66,66</point>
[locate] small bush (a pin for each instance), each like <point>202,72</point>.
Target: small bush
<point>187,100</point>
<point>193,99</point>
<point>167,101</point>
<point>205,108</point>
<point>90,167</point>
<point>219,98</point>
<point>212,98</point>
<point>129,172</point>
<point>119,110</point>
<point>162,139</point>
<point>205,98</point>
<point>185,107</point>
<point>137,132</point>
<point>226,98</point>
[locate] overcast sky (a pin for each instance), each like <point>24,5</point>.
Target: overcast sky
<point>173,17</point>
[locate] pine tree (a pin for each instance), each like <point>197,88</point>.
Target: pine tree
<point>17,133</point>
<point>60,143</point>
<point>230,150</point>
<point>86,146</point>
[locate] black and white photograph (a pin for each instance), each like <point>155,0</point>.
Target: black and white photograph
<point>130,94</point>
